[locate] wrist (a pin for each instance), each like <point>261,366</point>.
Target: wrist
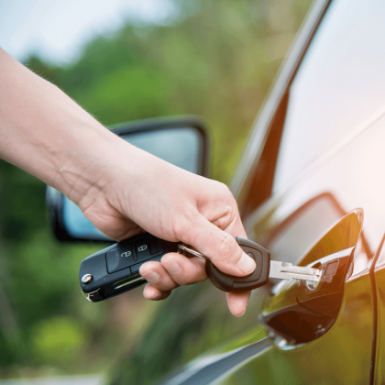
<point>88,164</point>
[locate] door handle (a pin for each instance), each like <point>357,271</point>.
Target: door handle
<point>300,312</point>
<point>325,297</point>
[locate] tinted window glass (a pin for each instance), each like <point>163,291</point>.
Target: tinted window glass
<point>339,86</point>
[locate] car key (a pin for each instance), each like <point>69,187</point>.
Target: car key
<point>265,269</point>
<point>115,269</point>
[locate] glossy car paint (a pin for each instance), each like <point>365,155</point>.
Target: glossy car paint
<point>347,173</point>
<point>340,354</point>
<point>378,278</point>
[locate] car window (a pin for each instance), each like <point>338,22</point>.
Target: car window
<point>338,88</point>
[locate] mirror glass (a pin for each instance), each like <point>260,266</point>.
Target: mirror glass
<point>179,146</point>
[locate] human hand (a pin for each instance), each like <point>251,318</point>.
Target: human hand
<point>149,194</point>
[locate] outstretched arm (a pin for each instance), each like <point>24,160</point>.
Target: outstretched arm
<point>121,189</point>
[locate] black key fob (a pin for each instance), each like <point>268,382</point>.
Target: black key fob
<point>232,284</point>
<point>115,269</point>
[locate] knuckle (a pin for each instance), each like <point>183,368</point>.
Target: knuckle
<point>227,193</point>
<point>223,189</point>
<point>227,215</point>
<point>189,279</point>
<point>188,274</point>
<point>222,185</point>
<point>228,210</point>
<point>197,275</point>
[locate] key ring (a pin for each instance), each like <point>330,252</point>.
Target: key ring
<point>182,249</point>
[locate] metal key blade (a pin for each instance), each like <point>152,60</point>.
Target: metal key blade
<point>278,270</point>
<point>284,270</point>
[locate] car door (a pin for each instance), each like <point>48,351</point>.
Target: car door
<point>328,167</point>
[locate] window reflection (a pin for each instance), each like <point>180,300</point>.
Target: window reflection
<point>338,88</point>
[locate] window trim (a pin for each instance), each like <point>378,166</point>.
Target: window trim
<point>244,173</point>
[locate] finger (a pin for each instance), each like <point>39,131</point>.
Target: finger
<point>217,245</point>
<point>157,276</point>
<point>184,271</point>
<point>154,294</point>
<point>235,228</point>
<point>226,218</point>
<point>237,302</point>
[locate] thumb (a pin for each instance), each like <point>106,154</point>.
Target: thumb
<point>220,247</point>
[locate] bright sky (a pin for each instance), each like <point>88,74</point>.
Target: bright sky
<point>57,30</point>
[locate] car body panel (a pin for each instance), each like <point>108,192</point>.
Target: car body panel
<point>378,277</point>
<point>341,356</point>
<point>342,189</point>
<point>222,360</point>
<point>344,350</point>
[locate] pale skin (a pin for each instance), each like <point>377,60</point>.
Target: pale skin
<point>121,189</point>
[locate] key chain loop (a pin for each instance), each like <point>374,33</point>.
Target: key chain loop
<point>182,249</point>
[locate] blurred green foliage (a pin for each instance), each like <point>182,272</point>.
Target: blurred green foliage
<point>216,60</point>
<point>58,339</point>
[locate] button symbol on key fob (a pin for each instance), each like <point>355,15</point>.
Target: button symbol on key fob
<point>142,248</point>
<point>126,254</point>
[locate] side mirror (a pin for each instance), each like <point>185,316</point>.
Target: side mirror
<point>182,141</point>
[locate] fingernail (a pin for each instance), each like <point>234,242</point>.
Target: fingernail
<point>241,314</point>
<point>172,266</point>
<point>246,264</point>
<point>151,276</point>
<point>151,297</point>
<point>158,296</point>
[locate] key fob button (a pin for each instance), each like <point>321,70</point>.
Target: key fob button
<point>155,246</point>
<point>119,258</point>
<point>128,254</point>
<point>142,251</point>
